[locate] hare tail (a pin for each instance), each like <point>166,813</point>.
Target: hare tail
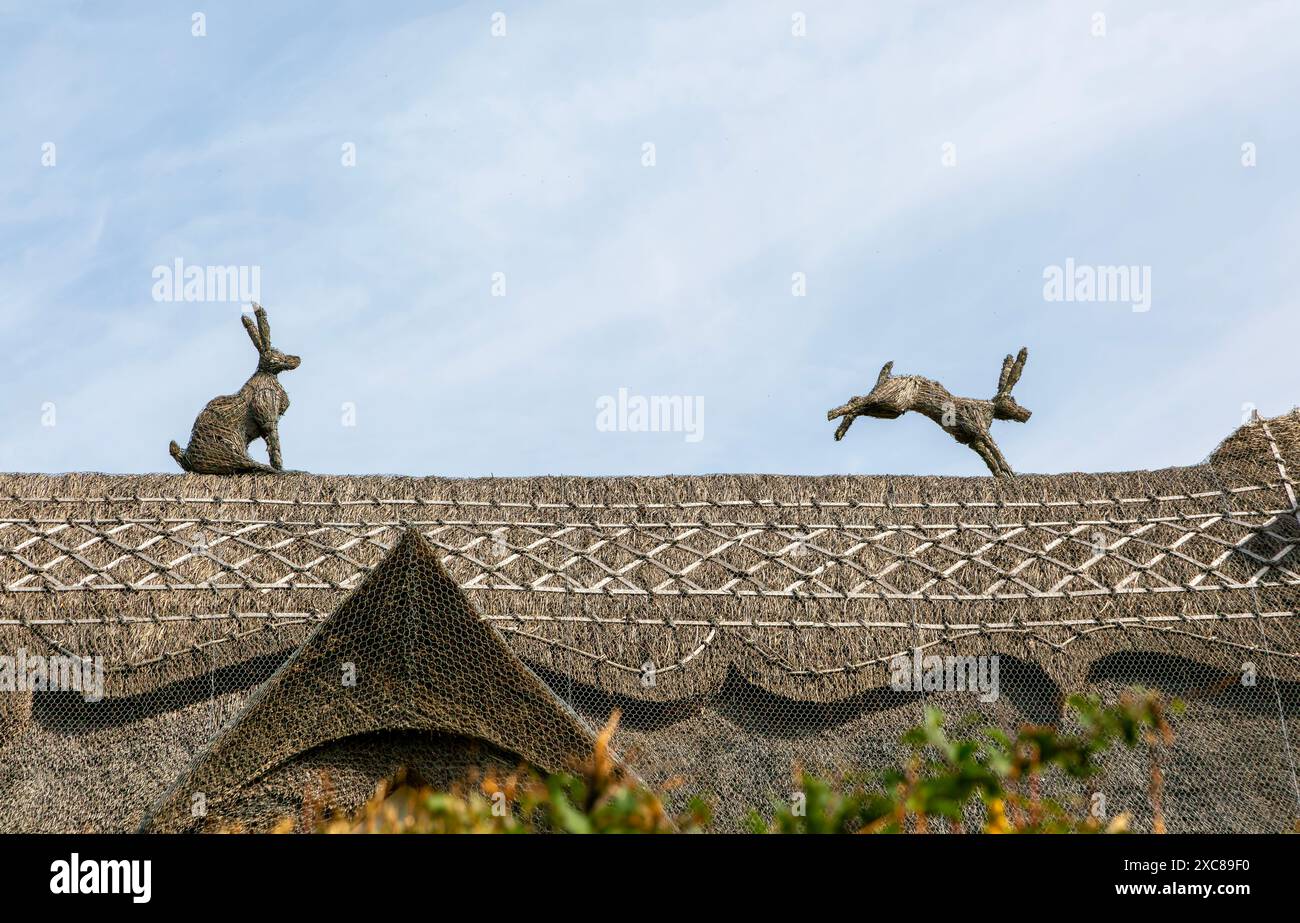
<point>178,455</point>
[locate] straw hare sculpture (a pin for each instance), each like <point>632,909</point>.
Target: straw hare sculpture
<point>228,424</point>
<point>966,419</point>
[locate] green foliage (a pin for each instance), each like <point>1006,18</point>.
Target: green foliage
<point>826,810</point>
<point>945,779</point>
<point>599,798</point>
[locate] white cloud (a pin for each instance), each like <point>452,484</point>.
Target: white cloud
<point>523,155</point>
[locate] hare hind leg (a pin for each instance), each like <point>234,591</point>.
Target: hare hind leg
<point>221,457</point>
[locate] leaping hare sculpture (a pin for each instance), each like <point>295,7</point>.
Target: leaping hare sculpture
<point>966,419</point>
<point>228,424</point>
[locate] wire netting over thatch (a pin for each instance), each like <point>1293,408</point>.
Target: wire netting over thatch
<point>406,676</point>
<point>743,624</point>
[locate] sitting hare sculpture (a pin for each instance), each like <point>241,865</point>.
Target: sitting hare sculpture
<point>222,433</point>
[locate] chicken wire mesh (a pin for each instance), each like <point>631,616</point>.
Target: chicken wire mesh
<point>218,650</point>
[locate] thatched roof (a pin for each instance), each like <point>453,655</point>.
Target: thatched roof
<point>679,598</point>
<point>692,573</point>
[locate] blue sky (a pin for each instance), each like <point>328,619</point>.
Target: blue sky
<point>522,154</point>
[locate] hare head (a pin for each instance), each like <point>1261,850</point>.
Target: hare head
<point>269,358</point>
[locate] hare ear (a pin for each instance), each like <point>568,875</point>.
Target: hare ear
<point>263,326</point>
<point>252,333</point>
<point>1011,371</point>
<point>1017,367</point>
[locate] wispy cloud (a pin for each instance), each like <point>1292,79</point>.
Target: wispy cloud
<point>523,155</point>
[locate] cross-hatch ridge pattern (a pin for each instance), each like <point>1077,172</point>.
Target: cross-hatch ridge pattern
<point>1035,558</point>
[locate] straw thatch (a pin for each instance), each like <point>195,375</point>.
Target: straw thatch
<point>750,617</point>
<point>403,675</point>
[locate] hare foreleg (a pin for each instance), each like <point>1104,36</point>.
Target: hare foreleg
<point>266,412</point>
<point>1004,467</point>
<point>271,434</point>
<point>988,450</point>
